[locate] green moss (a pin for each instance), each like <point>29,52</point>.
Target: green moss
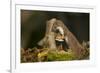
<point>60,56</point>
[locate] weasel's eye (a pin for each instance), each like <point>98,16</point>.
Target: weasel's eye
<point>57,31</point>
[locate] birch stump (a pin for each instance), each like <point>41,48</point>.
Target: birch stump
<point>49,39</point>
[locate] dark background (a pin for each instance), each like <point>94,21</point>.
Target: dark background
<point>33,25</point>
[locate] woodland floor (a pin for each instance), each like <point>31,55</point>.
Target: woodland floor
<point>46,54</point>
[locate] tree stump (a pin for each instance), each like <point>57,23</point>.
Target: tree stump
<point>49,38</point>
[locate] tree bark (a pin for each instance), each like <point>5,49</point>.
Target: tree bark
<point>49,39</point>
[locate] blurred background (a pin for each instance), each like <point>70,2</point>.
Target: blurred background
<point>33,25</point>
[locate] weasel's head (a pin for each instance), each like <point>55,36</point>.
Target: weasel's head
<point>60,30</point>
